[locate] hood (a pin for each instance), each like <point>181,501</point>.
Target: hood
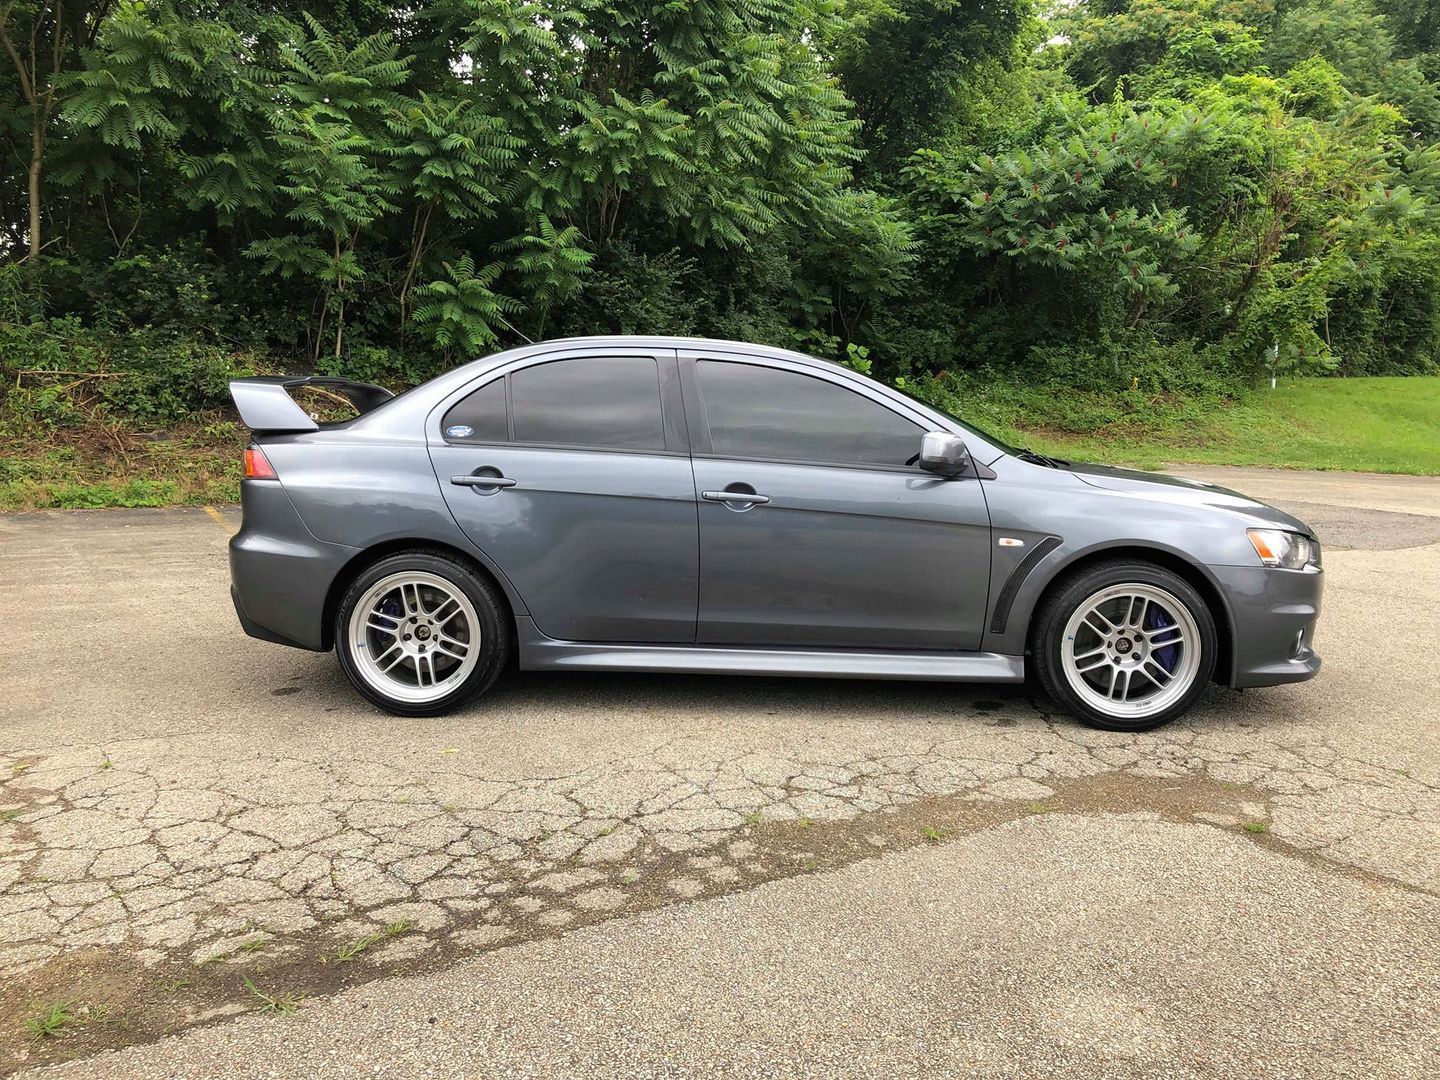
<point>1176,489</point>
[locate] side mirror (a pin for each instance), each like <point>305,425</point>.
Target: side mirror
<point>943,453</point>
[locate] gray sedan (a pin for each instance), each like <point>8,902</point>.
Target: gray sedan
<point>683,505</point>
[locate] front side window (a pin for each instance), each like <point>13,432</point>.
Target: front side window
<point>762,412</point>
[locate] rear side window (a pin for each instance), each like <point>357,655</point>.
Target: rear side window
<point>480,416</point>
<point>761,412</point>
<point>611,402</point>
<point>607,402</point>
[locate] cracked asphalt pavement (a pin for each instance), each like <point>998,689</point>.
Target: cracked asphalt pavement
<point>642,875</point>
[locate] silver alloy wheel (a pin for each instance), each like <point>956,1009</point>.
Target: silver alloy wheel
<point>414,637</point>
<point>1131,651</point>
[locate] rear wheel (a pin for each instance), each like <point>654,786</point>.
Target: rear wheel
<point>419,633</point>
<point>1126,646</point>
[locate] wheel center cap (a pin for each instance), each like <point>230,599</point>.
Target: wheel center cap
<point>1122,646</point>
<point>422,633</point>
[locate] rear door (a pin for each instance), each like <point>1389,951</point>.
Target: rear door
<point>571,472</point>
<point>813,529</point>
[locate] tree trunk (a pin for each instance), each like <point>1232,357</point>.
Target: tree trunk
<point>320,328</point>
<point>340,292</point>
<point>37,154</point>
<point>417,249</point>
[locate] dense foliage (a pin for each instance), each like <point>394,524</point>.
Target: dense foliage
<point>1153,198</point>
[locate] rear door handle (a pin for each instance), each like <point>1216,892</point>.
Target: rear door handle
<point>748,498</point>
<point>482,481</point>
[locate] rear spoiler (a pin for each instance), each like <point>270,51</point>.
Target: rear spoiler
<point>265,403</point>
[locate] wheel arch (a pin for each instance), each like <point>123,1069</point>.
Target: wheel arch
<point>1192,572</point>
<point>368,557</point>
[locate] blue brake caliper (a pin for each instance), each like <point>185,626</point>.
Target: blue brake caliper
<point>1157,618</point>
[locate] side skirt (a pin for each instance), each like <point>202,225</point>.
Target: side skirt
<point>541,653</point>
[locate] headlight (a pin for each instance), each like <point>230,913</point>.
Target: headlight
<point>1287,550</point>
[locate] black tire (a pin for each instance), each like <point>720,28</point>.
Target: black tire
<point>1048,631</point>
<point>491,613</point>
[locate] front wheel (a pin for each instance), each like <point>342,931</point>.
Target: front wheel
<point>1125,646</point>
<point>419,633</point>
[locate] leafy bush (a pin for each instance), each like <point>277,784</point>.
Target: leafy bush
<point>394,369</point>
<point>1086,390</point>
<point>58,372</point>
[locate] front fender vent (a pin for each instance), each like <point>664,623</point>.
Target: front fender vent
<point>1017,578</point>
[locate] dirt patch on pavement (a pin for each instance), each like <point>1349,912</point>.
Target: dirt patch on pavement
<point>101,998</point>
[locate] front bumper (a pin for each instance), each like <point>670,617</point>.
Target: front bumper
<point>1272,618</point>
<point>280,575</point>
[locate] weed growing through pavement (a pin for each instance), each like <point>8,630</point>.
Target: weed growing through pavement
<point>353,949</point>
<point>253,945</point>
<point>100,1014</point>
<point>276,1003</point>
<point>51,1021</point>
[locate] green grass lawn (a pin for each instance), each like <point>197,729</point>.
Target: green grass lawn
<point>1388,425</point>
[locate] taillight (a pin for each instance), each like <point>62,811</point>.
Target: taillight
<point>257,465</point>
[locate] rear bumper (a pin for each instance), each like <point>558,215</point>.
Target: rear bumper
<point>1273,615</point>
<point>280,575</point>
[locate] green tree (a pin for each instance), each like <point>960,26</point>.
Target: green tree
<point>462,309</point>
<point>43,40</point>
<point>332,169</point>
<point>920,71</point>
<point>1357,40</point>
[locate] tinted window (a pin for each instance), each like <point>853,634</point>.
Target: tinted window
<point>768,413</point>
<point>483,412</point>
<point>611,402</point>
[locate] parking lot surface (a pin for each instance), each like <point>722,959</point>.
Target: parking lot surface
<point>671,876</point>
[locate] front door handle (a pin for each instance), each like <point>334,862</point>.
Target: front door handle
<point>746,499</point>
<point>483,481</point>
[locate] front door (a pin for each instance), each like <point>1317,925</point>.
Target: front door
<point>572,475</point>
<point>814,530</point>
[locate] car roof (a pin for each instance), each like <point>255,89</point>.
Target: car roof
<point>644,341</point>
